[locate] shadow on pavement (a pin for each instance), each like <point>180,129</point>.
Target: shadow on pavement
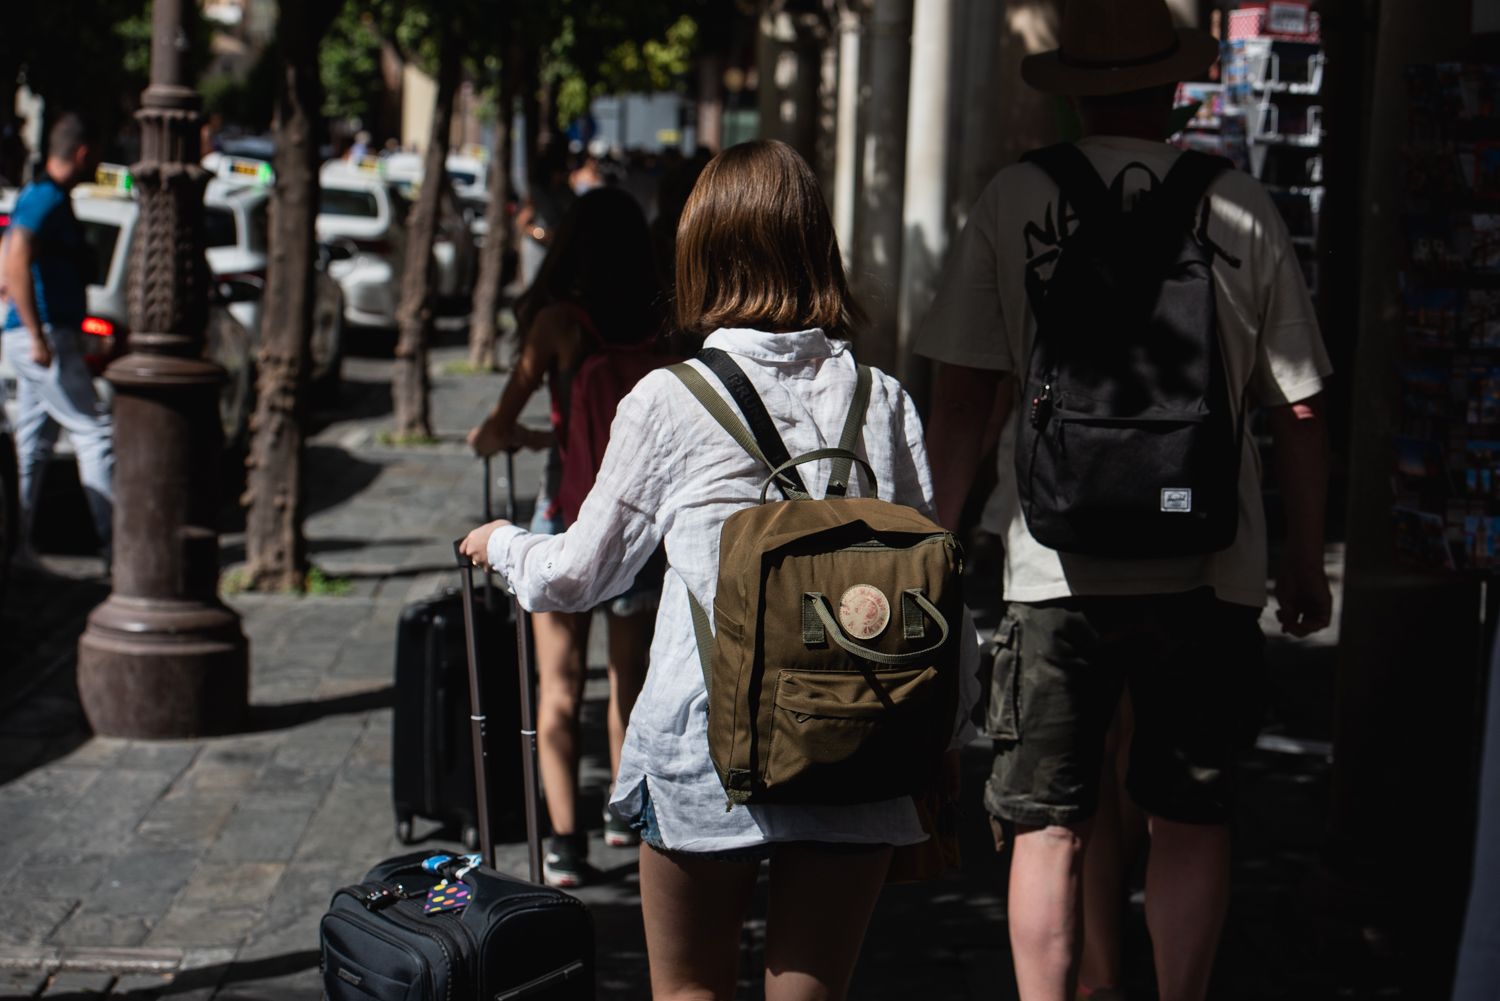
<point>333,476</point>
<point>359,399</point>
<point>235,552</point>
<point>284,715</point>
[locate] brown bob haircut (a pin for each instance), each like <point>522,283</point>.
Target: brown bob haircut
<point>756,247</point>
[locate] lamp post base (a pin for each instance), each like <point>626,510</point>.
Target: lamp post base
<point>160,669</point>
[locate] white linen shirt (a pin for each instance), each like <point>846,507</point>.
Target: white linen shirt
<point>672,474</point>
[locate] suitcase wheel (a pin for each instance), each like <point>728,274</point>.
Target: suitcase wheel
<point>471,837</point>
<point>403,830</point>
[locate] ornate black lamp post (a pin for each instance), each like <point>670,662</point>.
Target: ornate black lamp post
<point>163,657</point>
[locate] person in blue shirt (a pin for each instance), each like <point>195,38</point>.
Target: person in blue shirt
<point>46,268</point>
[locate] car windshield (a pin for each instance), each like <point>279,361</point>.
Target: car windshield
<point>346,201</point>
<point>463,178</point>
<point>101,238</point>
<point>218,228</point>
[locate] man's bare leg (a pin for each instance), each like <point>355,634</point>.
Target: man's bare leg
<point>1187,892</point>
<point>1044,907</point>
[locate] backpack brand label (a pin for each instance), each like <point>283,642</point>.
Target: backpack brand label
<point>1176,500</point>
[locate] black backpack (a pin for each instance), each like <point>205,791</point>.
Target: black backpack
<point>1128,445</point>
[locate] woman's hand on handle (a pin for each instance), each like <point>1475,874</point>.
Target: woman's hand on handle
<point>476,545</point>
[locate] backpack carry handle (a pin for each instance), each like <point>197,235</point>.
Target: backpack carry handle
<point>823,609</point>
<point>843,455</point>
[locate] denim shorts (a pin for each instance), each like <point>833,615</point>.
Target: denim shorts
<point>645,825</point>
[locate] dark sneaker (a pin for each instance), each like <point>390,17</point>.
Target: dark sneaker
<point>617,833</point>
<point>566,862</point>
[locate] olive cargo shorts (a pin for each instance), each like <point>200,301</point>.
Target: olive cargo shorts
<point>1194,668</point>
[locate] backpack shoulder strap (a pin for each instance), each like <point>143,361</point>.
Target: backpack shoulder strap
<point>749,402</point>
<point>718,410</point>
<point>1075,176</point>
<point>1185,185</point>
<point>843,466</point>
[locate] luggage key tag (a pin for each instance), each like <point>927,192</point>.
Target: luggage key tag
<point>446,896</point>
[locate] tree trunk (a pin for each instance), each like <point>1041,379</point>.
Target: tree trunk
<point>497,239</point>
<point>409,382</point>
<point>275,551</point>
<point>531,114</point>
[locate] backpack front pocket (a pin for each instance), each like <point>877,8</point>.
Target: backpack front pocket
<point>853,737</point>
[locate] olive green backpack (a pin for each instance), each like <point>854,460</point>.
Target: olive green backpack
<point>832,667</point>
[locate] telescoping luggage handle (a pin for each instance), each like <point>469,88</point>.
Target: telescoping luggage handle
<point>478,716</point>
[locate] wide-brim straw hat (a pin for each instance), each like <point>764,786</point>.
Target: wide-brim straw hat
<point>1115,46</point>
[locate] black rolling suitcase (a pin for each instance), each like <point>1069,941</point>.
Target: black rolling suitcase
<point>432,768</point>
<point>422,927</point>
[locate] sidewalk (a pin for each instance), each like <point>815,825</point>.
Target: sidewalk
<point>198,869</point>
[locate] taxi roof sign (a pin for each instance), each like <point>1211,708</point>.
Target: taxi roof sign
<point>247,170</point>
<point>114,177</point>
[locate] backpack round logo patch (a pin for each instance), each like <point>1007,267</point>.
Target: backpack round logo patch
<point>864,611</point>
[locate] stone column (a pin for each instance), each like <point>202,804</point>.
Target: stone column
<point>924,207</point>
<point>882,180</point>
<point>163,657</point>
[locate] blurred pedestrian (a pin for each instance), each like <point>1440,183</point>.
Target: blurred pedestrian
<point>1230,323</point>
<point>547,201</point>
<point>759,272</point>
<point>48,266</point>
<point>597,292</point>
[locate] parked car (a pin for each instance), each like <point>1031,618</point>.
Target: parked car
<point>454,254</point>
<point>236,239</point>
<point>362,221</point>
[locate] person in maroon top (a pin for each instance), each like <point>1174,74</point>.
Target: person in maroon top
<point>598,286</point>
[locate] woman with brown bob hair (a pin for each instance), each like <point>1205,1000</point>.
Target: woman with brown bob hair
<point>758,273</point>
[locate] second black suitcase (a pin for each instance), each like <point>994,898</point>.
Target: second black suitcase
<point>432,765</point>
<point>432,768</point>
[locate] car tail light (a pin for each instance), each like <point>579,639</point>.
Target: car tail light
<point>4,219</point>
<point>110,339</point>
<point>98,327</point>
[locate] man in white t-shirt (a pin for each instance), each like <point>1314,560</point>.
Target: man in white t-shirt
<point>1181,633</point>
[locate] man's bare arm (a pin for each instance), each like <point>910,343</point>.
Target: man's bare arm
<point>18,258</point>
<point>1299,439</point>
<point>964,405</point>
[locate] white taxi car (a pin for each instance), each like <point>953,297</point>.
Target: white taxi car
<point>363,220</point>
<point>454,257</point>
<point>235,224</point>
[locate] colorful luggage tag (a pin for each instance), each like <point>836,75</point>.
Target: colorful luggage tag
<point>446,896</point>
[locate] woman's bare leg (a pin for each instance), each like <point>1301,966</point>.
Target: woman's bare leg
<point>629,648</point>
<point>693,911</point>
<point>561,644</point>
<point>821,904</point>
